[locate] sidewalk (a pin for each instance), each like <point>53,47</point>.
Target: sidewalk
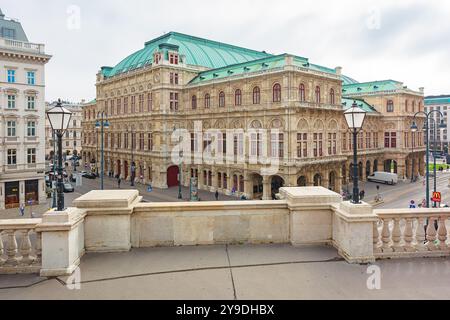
<point>234,272</point>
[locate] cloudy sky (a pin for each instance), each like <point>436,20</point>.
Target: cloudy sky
<point>405,40</point>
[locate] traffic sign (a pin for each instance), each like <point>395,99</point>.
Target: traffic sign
<point>436,197</point>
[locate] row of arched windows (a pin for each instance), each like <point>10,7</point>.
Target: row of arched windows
<point>276,96</point>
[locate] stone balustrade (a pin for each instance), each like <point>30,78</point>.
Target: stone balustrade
<point>20,246</point>
<point>411,233</point>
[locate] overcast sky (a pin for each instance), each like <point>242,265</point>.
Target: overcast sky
<point>404,40</point>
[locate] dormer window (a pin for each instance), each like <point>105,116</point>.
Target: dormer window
<point>173,58</point>
<point>157,57</point>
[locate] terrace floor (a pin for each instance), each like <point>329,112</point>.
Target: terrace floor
<point>228,272</point>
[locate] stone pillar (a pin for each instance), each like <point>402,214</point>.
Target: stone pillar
<point>363,169</point>
<point>353,231</point>
<point>339,178</point>
<point>42,191</point>
<point>310,178</point>
<point>266,188</point>
<point>62,241</point>
<point>22,191</point>
<point>107,225</point>
<point>325,179</point>
<point>401,169</point>
<point>215,183</point>
<point>2,195</point>
<point>248,186</point>
<point>311,214</point>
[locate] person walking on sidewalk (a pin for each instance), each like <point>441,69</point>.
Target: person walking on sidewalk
<point>216,195</point>
<point>118,182</point>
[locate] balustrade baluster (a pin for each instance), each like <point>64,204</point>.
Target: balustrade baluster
<point>376,238</point>
<point>2,261</point>
<point>11,249</point>
<point>420,235</point>
<point>386,236</point>
<point>431,234</point>
<point>397,236</point>
<point>442,233</point>
<point>25,248</point>
<point>38,247</point>
<point>408,236</point>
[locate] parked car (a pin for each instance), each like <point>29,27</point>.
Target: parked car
<point>88,175</point>
<point>384,177</point>
<point>68,187</point>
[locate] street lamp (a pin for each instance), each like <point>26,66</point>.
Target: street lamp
<point>426,128</point>
<point>102,124</point>
<point>133,165</point>
<point>54,205</point>
<point>180,195</point>
<point>354,117</point>
<point>59,118</point>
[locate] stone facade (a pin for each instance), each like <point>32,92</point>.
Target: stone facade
<point>22,124</point>
<point>300,101</point>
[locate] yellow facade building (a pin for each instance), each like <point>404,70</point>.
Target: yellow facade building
<point>250,122</point>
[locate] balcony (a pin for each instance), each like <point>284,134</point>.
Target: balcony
<point>22,46</point>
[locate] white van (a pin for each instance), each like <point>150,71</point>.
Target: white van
<point>384,177</point>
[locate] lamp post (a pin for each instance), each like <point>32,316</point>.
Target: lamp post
<point>354,117</point>
<point>133,165</point>
<point>102,123</point>
<point>54,171</point>
<point>180,195</point>
<point>59,118</point>
<point>426,128</point>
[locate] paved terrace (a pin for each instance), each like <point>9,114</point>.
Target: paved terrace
<point>235,272</point>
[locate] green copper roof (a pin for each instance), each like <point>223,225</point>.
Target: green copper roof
<point>197,51</point>
<point>347,103</point>
<point>347,80</point>
<point>370,87</point>
<point>437,100</point>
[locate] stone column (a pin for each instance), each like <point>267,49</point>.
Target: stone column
<point>215,183</point>
<point>266,188</point>
<point>42,191</point>
<point>2,195</point>
<point>310,178</point>
<point>248,186</point>
<point>62,241</point>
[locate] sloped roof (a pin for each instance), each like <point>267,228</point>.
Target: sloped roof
<point>347,104</point>
<point>370,87</point>
<point>197,51</point>
<point>19,33</point>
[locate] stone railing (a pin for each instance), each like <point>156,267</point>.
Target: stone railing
<point>411,233</point>
<point>20,246</point>
<point>23,46</point>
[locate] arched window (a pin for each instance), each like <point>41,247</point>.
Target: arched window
<point>207,100</point>
<point>407,106</point>
<point>194,102</point>
<point>332,99</point>
<point>238,97</point>
<point>256,95</point>
<point>302,94</point>
<point>277,93</point>
<point>221,99</point>
<point>317,94</point>
<point>413,106</point>
<point>390,106</point>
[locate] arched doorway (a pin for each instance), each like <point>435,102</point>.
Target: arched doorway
<point>375,165</point>
<point>317,180</point>
<point>172,176</point>
<point>332,181</point>
<point>125,169</point>
<point>257,183</point>
<point>301,181</point>
<point>360,171</point>
<point>368,166</point>
<point>276,184</point>
<point>390,166</point>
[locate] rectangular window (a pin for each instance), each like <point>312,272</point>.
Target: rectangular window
<point>302,145</point>
<point>276,145</point>
<point>344,141</point>
<point>118,105</point>
<point>368,141</point>
<point>173,58</point>
<point>11,76</point>
<point>390,140</point>
<point>74,123</point>
<point>149,141</point>
<point>133,104</point>
<point>31,77</point>
<point>31,102</point>
<point>12,156</point>
<point>125,105</point>
<point>141,103</point>
<point>149,101</point>
<point>11,128</point>
<point>173,78</point>
<point>174,101</point>
<point>141,141</point>
<point>11,101</point>
<point>318,144</point>
<point>8,33</point>
<point>31,128</point>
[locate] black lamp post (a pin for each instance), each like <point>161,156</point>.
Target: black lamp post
<point>426,128</point>
<point>354,117</point>
<point>180,195</point>
<point>59,118</point>
<point>102,124</point>
<point>133,165</point>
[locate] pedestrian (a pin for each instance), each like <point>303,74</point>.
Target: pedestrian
<point>118,182</point>
<point>22,209</point>
<point>361,194</point>
<point>412,204</point>
<point>216,195</point>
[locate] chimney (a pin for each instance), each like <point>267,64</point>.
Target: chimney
<point>338,70</point>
